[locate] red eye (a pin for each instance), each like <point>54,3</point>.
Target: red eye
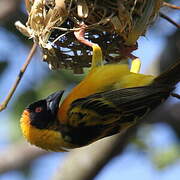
<point>38,109</point>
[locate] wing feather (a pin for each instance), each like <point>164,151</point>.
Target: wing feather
<point>107,113</point>
<point>121,102</point>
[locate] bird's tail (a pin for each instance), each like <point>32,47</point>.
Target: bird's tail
<point>170,77</point>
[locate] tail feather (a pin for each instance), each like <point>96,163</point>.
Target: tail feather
<point>170,77</point>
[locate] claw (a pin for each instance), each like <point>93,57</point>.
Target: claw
<point>79,34</point>
<point>97,52</point>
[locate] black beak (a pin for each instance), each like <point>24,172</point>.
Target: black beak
<point>53,101</point>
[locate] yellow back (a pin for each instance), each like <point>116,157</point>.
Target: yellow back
<point>103,78</point>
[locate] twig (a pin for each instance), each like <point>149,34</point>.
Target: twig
<point>20,75</point>
<point>169,19</point>
<point>175,95</point>
<point>171,5</point>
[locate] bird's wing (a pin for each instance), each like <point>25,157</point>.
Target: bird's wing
<point>122,105</point>
<point>107,113</point>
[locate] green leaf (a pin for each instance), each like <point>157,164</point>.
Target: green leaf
<point>167,157</point>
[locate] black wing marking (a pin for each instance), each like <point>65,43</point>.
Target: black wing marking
<point>122,101</point>
<point>107,113</point>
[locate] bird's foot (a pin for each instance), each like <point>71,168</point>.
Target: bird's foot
<point>79,34</point>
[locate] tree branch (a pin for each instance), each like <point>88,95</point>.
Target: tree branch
<point>8,9</point>
<point>19,77</point>
<point>85,163</point>
<point>18,156</point>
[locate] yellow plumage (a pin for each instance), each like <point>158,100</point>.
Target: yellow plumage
<point>110,99</point>
<point>104,78</point>
<point>45,138</point>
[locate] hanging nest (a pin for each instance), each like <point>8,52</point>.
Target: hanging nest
<point>115,25</point>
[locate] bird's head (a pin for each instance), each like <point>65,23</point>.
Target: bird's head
<point>40,125</point>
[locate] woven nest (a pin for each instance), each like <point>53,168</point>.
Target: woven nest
<point>115,25</point>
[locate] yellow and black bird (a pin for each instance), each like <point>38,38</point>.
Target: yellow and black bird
<point>110,99</point>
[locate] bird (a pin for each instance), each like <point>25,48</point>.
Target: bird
<point>109,100</point>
